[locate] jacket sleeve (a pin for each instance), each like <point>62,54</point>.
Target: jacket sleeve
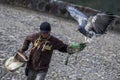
<point>60,46</point>
<point>23,49</point>
<point>26,43</point>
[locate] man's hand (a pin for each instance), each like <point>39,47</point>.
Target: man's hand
<point>76,47</point>
<point>82,46</point>
<point>21,57</point>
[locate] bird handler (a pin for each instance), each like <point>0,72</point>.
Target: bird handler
<point>41,52</point>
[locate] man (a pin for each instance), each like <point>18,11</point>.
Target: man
<point>43,45</point>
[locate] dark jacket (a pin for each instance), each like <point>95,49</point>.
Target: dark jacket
<point>39,60</point>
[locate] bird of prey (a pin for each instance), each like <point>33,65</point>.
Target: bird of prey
<point>93,25</point>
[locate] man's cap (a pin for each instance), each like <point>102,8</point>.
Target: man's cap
<point>45,27</point>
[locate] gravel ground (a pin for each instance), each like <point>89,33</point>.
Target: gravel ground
<point>100,60</point>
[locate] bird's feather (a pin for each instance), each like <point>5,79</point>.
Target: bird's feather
<point>77,15</point>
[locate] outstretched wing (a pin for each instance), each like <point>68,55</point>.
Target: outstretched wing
<point>106,19</point>
<point>99,23</point>
<point>81,18</point>
<point>77,15</point>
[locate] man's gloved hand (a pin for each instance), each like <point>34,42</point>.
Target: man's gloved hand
<point>76,47</point>
<point>82,46</point>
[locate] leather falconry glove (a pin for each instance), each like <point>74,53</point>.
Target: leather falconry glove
<point>76,48</point>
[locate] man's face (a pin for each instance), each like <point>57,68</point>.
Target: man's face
<point>45,35</point>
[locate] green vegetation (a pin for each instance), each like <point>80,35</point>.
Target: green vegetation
<point>102,5</point>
